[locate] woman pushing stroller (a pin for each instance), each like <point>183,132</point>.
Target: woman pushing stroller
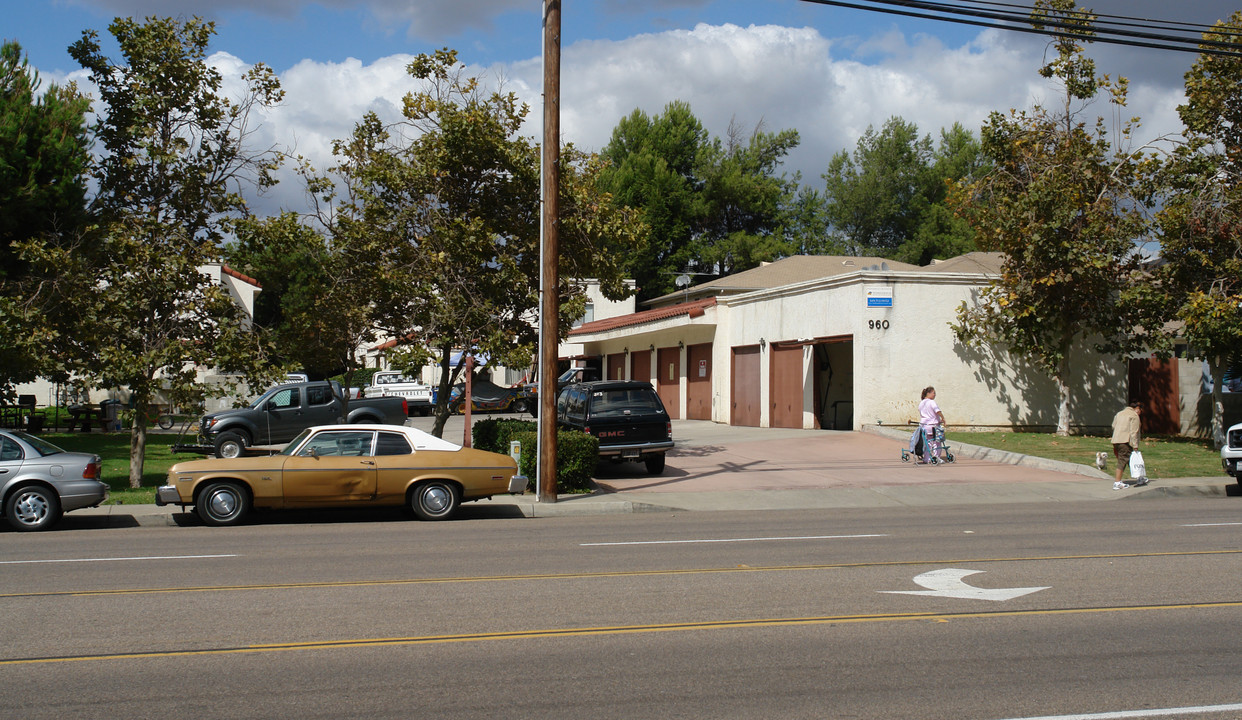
<point>929,438</point>
<point>931,423</point>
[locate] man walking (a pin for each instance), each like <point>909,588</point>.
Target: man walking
<point>1127,427</point>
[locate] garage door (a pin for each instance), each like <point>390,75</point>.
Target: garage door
<point>785,387</point>
<point>745,410</point>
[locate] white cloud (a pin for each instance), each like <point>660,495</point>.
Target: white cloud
<point>780,76</point>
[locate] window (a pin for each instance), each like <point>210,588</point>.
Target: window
<point>619,403</point>
<point>318,395</point>
<point>392,444</point>
<point>340,442</point>
<point>9,450</point>
<point>286,398</point>
<point>588,315</point>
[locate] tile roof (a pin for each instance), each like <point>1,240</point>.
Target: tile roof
<point>694,308</point>
<point>244,278</point>
<point>786,271</point>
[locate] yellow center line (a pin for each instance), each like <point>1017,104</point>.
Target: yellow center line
<point>598,575</point>
<point>607,630</point>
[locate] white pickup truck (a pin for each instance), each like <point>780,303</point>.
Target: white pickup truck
<point>391,383</point>
<point>1231,452</point>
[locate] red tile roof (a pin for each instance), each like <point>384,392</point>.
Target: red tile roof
<point>692,309</point>
<point>244,278</point>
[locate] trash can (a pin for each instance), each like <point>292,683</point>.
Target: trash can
<point>111,410</point>
<point>34,424</point>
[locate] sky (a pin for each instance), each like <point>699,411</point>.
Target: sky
<point>828,72</point>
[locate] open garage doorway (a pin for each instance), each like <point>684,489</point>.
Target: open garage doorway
<point>832,369</point>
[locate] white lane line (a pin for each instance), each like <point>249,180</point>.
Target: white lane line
<point>730,540</point>
<point>1212,524</point>
<point>1159,712</point>
<point>115,559</point>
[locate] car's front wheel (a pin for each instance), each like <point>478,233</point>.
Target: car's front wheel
<point>521,405</point>
<point>32,508</point>
<point>222,503</point>
<point>435,500</point>
<point>231,445</point>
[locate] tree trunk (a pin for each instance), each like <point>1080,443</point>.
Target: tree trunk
<point>1217,366</point>
<point>1063,400</point>
<point>137,446</point>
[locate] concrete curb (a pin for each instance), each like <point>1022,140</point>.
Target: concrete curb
<point>1004,457</point>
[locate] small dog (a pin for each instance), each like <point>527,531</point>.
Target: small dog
<point>1101,460</point>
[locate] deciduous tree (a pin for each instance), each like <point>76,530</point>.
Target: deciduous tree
<point>173,158</point>
<point>1062,203</point>
<point>1199,281</point>
<point>444,207</point>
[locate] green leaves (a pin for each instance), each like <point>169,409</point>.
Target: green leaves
<point>1064,205</point>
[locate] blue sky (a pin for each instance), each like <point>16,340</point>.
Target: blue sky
<point>828,72</point>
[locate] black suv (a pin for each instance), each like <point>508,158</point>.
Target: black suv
<point>626,416</point>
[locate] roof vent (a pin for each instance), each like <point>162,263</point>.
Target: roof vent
<point>883,266</point>
<point>848,263</point>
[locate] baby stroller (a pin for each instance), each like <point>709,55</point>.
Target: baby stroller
<point>918,440</point>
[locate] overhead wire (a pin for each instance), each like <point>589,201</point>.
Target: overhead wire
<point>1023,23</point>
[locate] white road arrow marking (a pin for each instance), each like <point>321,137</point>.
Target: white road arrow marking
<point>948,583</point>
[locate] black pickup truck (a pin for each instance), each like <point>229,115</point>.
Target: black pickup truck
<point>626,416</point>
<point>279,414</point>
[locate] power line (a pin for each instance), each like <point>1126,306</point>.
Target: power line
<point>1022,23</point>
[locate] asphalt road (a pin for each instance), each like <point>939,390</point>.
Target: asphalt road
<point>1128,608</point>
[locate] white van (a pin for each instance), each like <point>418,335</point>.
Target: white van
<point>392,383</point>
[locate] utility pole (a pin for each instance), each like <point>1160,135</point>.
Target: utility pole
<point>549,252</point>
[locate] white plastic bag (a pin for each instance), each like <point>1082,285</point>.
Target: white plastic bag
<point>1138,468</point>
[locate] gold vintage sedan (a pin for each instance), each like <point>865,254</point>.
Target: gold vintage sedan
<point>344,465</point>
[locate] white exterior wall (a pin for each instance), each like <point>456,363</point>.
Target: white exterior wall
<point>917,348</point>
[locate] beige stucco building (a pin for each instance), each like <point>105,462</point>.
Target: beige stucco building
<point>838,343</point>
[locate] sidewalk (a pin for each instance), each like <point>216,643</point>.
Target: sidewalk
<point>720,467</point>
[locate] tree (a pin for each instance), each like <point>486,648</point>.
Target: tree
<point>172,164</point>
<point>315,304</point>
<point>1063,205</point>
<point>443,208</point>
<point>654,164</point>
<point>744,202</point>
<point>1199,281</point>
<point>44,159</point>
<point>888,196</point>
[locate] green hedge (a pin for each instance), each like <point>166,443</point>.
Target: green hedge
<point>577,453</point>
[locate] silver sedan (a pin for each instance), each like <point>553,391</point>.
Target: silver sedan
<point>39,481</point>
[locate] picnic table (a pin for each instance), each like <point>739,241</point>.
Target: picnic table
<point>86,416</point>
<point>22,416</point>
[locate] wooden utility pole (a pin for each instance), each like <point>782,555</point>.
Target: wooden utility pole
<point>549,253</point>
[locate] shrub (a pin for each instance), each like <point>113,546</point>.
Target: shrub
<point>494,434</point>
<point>577,454</point>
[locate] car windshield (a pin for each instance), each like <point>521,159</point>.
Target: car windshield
<point>622,402</point>
<point>43,447</point>
<point>295,442</point>
<point>568,376</point>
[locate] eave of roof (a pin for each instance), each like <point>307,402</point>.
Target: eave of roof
<point>244,278</point>
<point>694,308</point>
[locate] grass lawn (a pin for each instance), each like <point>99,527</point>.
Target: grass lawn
<point>1166,457</point>
<point>114,449</point>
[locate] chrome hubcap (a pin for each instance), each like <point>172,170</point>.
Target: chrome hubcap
<point>222,503</point>
<point>31,508</point>
<point>435,499</point>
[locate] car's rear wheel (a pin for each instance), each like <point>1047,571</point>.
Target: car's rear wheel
<point>33,507</point>
<point>222,503</point>
<point>435,500</point>
<point>231,445</point>
<point>655,464</point>
<point>521,405</point>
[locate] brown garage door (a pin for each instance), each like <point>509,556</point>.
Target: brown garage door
<point>640,366</point>
<point>699,382</point>
<point>616,366</point>
<point>668,380</point>
<point>785,387</point>
<point>745,410</point>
